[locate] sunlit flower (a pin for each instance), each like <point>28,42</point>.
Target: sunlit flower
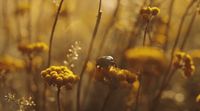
<point>115,77</point>
<point>8,64</point>
<point>59,76</point>
<point>148,59</point>
<point>37,47</point>
<point>149,12</point>
<point>184,61</point>
<point>72,55</point>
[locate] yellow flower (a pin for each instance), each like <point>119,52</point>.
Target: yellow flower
<point>9,63</point>
<point>59,76</point>
<point>155,11</point>
<point>148,59</point>
<point>184,61</point>
<point>148,12</point>
<point>37,47</point>
<point>115,77</point>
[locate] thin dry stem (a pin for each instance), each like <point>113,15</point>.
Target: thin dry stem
<point>50,48</point>
<point>168,23</point>
<point>110,25</point>
<point>137,100</point>
<point>88,54</point>
<point>29,25</point>
<point>106,100</point>
<point>58,99</point>
<point>167,73</point>
<point>185,38</point>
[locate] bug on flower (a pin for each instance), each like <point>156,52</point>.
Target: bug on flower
<point>105,62</point>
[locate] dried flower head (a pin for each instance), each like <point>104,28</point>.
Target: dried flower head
<point>150,60</point>
<point>23,103</point>
<point>10,64</point>
<point>115,77</point>
<point>184,61</point>
<point>155,11</point>
<point>59,76</point>
<point>72,55</point>
<point>33,48</point>
<point>149,12</point>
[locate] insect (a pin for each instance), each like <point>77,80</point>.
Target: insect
<point>105,62</point>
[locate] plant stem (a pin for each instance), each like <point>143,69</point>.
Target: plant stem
<point>6,28</point>
<point>58,99</point>
<point>168,24</point>
<point>88,54</point>
<point>50,48</point>
<point>52,32</point>
<point>18,24</point>
<point>40,15</point>
<point>29,21</point>
<point>106,100</point>
<point>110,25</point>
<point>138,94</point>
<point>189,28</point>
<point>167,73</point>
<point>145,32</point>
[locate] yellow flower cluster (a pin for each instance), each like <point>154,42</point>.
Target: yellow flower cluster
<point>148,12</point>
<point>115,77</point>
<point>184,61</point>
<point>150,60</point>
<point>8,63</point>
<point>59,76</point>
<point>33,48</point>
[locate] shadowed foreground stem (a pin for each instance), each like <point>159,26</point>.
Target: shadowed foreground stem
<point>58,99</point>
<point>106,100</point>
<point>156,100</point>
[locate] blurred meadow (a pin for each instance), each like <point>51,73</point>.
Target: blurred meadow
<point>99,55</point>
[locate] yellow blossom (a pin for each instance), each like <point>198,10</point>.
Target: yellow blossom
<point>115,77</point>
<point>148,59</point>
<point>59,76</point>
<point>37,47</point>
<point>185,62</point>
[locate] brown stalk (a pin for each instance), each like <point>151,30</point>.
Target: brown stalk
<point>167,73</point>
<point>168,24</point>
<point>107,30</point>
<point>50,48</point>
<point>88,54</point>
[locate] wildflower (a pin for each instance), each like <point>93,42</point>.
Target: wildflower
<point>33,48</point>
<point>72,55</point>
<point>114,76</point>
<point>23,103</point>
<point>59,76</point>
<point>148,59</point>
<point>184,61</point>
<point>8,64</point>
<point>149,12</point>
<point>155,11</point>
